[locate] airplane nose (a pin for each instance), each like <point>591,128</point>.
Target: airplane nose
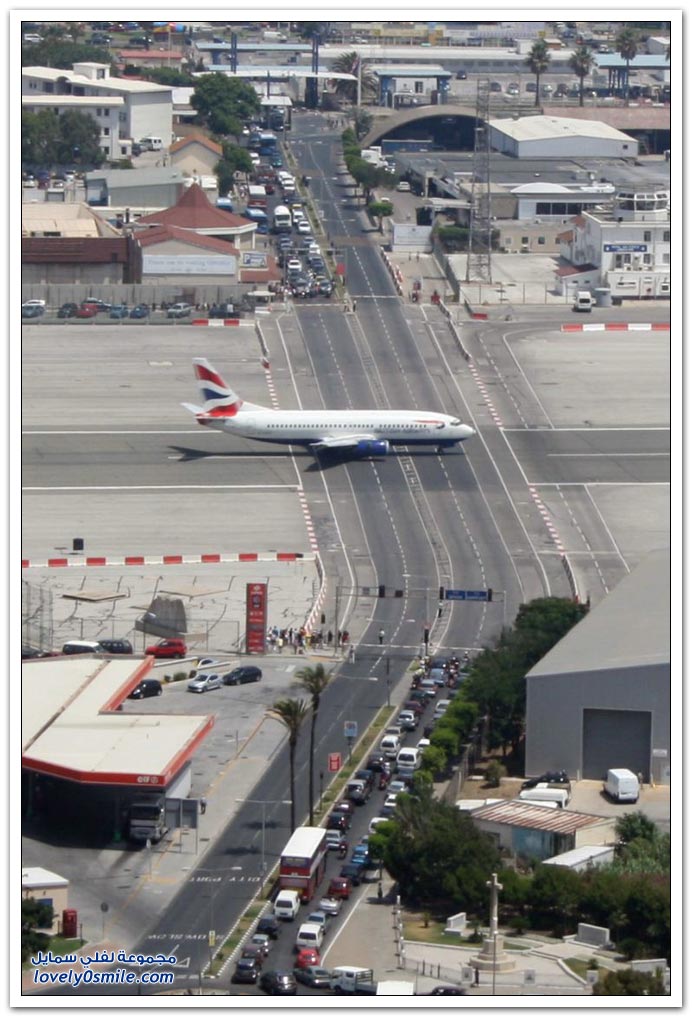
<point>468,431</point>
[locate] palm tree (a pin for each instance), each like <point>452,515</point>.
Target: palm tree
<point>314,681</point>
<point>581,63</point>
<point>627,44</point>
<point>348,63</point>
<point>538,62</point>
<point>291,713</point>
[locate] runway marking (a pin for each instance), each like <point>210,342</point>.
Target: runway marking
<point>603,455</point>
<point>188,431</point>
<point>175,487</point>
<point>231,455</point>
<point>600,483</point>
<point>594,430</point>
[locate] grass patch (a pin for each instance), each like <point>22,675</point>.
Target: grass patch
<point>578,965</point>
<point>416,930</point>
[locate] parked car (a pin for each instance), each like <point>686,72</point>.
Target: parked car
<point>307,957</point>
<point>119,311</point>
<point>33,308</point>
<point>86,311</point>
<point>268,925</point>
<point>180,310</point>
<point>447,990</point>
<point>147,687</point>
<point>314,976</point>
<point>331,906</point>
<point>513,88</point>
<point>247,971</point>
<point>205,682</point>
<point>168,649</point>
<point>140,311</point>
<point>243,675</point>
<point>278,983</point>
<point>101,305</point>
<point>403,185</point>
<point>67,310</point>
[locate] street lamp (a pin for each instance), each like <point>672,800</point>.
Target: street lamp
<point>263,803</point>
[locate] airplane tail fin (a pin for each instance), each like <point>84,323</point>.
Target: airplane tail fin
<point>218,399</point>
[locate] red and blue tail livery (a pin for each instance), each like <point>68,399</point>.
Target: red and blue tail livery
<point>356,433</point>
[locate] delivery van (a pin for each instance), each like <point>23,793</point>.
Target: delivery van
<point>151,143</point>
<point>622,785</point>
<point>408,760</point>
<point>583,301</point>
<point>545,793</point>
<point>287,905</point>
<point>310,934</point>
<point>390,745</point>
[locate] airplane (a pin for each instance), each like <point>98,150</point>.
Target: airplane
<point>354,432</point>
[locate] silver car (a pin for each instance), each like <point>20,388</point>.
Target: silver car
<point>205,682</point>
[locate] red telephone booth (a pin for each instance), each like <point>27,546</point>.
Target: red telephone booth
<point>69,923</point>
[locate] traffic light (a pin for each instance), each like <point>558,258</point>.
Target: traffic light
<point>380,591</point>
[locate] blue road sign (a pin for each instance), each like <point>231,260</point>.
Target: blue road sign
<point>466,594</point>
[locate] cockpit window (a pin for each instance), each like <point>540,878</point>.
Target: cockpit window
<point>455,423</point>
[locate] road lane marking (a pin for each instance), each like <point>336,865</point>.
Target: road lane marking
<point>173,487</point>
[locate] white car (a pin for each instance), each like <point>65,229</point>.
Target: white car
<point>294,265</point>
<point>34,302</point>
<point>304,226</point>
<point>205,683</point>
<point>403,185</point>
<point>390,800</point>
<point>423,743</point>
<point>330,905</point>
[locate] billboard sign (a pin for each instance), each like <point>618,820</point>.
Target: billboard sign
<point>255,617</point>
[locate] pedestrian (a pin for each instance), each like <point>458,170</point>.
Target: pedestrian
<point>477,976</point>
<point>354,306</point>
<point>280,644</point>
<point>330,636</point>
<point>380,636</point>
<point>203,805</point>
<point>352,655</point>
<point>380,894</point>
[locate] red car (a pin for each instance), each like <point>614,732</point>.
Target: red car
<point>86,311</point>
<point>339,887</point>
<point>307,957</point>
<point>168,649</point>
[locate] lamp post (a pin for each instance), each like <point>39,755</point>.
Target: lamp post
<point>263,803</point>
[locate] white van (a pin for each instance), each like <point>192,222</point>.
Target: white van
<point>82,646</point>
<point>583,301</point>
<point>544,793</point>
<point>152,143</point>
<point>287,905</point>
<point>309,934</point>
<point>390,745</point>
<point>622,785</point>
<point>408,760</point>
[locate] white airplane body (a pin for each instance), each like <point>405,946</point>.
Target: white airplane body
<point>361,432</point>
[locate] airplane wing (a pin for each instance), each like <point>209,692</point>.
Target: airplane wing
<point>344,441</point>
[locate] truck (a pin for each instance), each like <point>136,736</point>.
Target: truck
<point>622,785</point>
<point>147,819</point>
<point>359,981</point>
<point>395,987</point>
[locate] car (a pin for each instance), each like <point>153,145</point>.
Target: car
<point>168,649</point>
<point>294,265</point>
<point>326,287</point>
<point>140,311</point>
<point>179,310</point>
<point>204,664</point>
<point>340,887</point>
<point>276,161</point>
<point>205,682</point>
<point>419,695</point>
<point>338,821</point>
<point>255,952</point>
<point>550,777</point>
<point>262,940</point>
<point>147,688</point>
<point>331,906</point>
<point>304,227</point>
<point>403,185</point>
<point>344,805</point>
<point>531,87</point>
<point>353,871</point>
<point>423,743</point>
<point>513,88</point>
<point>429,687</point>
<point>32,311</point>
<point>246,971</point>
<point>67,310</point>
<point>101,305</point>
<point>119,311</point>
<point>336,841</point>
<point>278,983</point>
<point>447,990</point>
<point>391,798</point>
<point>562,89</point>
<point>547,89</point>
<point>397,786</point>
<point>319,918</point>
<point>413,706</point>
<point>307,957</point>
<point>314,976</point>
<point>243,675</point>
<point>438,675</point>
<point>367,775</point>
<point>86,311</point>
<point>495,86</point>
<point>268,925</point>
<point>461,75</point>
<point>408,720</point>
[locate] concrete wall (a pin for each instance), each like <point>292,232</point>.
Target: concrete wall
<point>601,833</point>
<point>151,113</point>
<point>195,159</point>
<point>555,705</point>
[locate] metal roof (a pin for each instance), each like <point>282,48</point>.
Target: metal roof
<point>545,128</point>
<point>585,853</point>
<point>72,728</point>
<point>34,877</point>
<point>515,813</point>
<point>116,84</point>
<point>629,628</point>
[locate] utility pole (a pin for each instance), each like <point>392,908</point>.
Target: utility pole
<point>479,257</point>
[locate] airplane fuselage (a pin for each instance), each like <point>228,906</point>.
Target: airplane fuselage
<point>310,427</point>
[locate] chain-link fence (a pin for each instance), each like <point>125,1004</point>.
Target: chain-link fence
<point>37,617</point>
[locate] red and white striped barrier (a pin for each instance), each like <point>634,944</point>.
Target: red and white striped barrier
<point>618,326</point>
<point>395,273</point>
<point>165,559</point>
<point>484,392</point>
<point>215,322</point>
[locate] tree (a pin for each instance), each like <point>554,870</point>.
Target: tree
<point>630,983</point>
<point>379,210</point>
<point>314,681</point>
<point>71,138</point>
<point>235,160</point>
<point>538,62</point>
<point>63,54</point>
<point>627,44</point>
<point>362,121</point>
<point>35,915</point>
<point>224,104</point>
<point>168,76</point>
<point>635,826</point>
<point>555,895</point>
<point>291,713</point>
<point>581,63</point>
<point>351,63</point>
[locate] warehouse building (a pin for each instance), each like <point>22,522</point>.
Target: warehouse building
<point>530,830</point>
<point>560,137</point>
<point>601,697</point>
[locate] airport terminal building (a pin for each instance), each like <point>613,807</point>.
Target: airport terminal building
<point>601,697</point>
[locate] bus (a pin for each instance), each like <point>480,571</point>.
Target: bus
<point>259,216</point>
<point>257,196</point>
<point>282,219</point>
<point>303,861</point>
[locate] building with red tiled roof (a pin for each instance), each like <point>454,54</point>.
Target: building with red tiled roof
<point>195,212</point>
<point>169,252</point>
<point>195,154</point>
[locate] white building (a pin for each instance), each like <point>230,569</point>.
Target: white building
<point>553,202</point>
<point>561,137</point>
<point>146,109</point>
<point>625,247</point>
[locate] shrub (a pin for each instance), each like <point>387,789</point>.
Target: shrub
<point>495,772</point>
